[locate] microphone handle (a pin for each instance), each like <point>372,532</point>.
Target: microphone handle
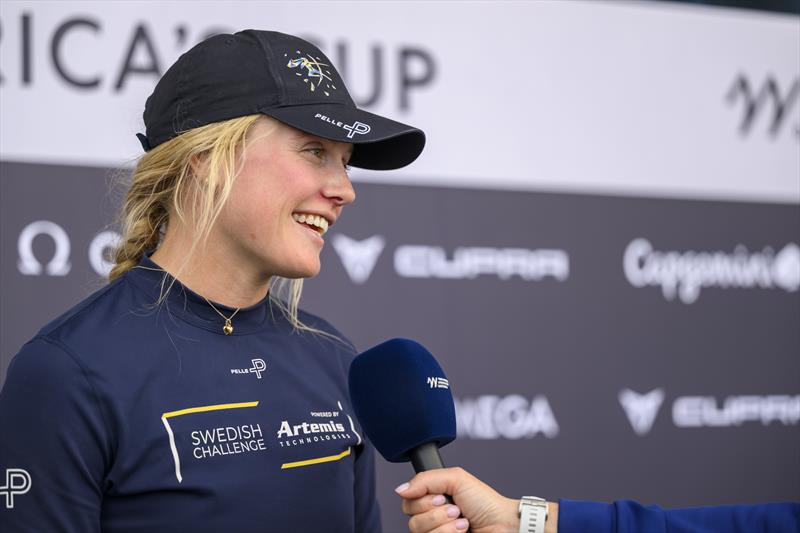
<point>426,457</point>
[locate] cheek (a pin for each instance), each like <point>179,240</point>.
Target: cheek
<point>245,212</point>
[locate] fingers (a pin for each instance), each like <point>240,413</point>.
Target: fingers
<point>422,505</point>
<point>438,481</point>
<point>441,519</point>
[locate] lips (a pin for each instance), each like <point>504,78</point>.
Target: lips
<point>314,232</point>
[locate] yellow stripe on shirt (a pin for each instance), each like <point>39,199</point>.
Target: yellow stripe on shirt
<point>317,460</point>
<point>205,408</point>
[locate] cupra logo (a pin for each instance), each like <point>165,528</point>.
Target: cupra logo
<point>358,257</point>
<point>641,408</point>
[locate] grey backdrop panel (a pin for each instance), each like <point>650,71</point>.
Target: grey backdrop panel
<point>574,343</point>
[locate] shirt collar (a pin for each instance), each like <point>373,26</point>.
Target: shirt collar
<point>193,308</point>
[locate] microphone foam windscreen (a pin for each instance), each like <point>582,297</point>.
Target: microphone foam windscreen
<point>402,398</point>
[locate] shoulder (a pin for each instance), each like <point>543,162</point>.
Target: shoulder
<point>45,362</point>
<point>80,311</point>
<point>102,319</point>
<point>46,379</point>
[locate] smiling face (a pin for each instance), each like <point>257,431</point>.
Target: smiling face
<point>292,186</point>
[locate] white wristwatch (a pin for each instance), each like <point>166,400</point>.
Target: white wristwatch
<point>532,514</point>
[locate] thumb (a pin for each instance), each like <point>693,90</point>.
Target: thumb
<point>438,481</point>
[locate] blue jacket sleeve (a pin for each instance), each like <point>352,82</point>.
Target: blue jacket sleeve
<point>53,431</point>
<point>368,515</point>
<point>631,517</point>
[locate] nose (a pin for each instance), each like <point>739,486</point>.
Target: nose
<point>339,189</point>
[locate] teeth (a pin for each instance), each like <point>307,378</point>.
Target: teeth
<point>312,220</point>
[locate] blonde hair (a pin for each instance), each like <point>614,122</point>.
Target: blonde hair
<point>165,181</point>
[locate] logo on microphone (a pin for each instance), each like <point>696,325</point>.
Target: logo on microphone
<point>438,383</point>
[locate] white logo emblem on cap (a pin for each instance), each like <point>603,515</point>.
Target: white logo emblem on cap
<point>352,129</point>
<point>357,127</point>
<point>312,71</point>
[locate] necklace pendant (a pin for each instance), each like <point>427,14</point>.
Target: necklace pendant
<point>227,328</point>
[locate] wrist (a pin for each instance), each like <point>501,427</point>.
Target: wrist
<point>512,522</point>
<point>508,518</point>
<point>551,525</point>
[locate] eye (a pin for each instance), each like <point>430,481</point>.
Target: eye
<point>317,152</point>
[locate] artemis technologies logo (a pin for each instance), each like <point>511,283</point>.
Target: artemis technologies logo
<point>641,408</point>
<point>756,102</point>
<point>258,367</point>
<point>318,427</point>
<point>358,257</point>
<point>684,274</point>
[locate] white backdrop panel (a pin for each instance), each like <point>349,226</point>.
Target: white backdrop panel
<point>619,98</point>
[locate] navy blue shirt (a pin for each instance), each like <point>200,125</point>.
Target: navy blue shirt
<point>131,417</point>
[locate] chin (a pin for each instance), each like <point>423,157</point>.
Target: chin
<point>300,271</point>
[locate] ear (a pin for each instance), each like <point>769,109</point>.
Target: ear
<point>199,165</point>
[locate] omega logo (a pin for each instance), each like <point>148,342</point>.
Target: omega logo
<point>59,264</point>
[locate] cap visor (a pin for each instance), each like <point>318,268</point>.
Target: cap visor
<point>379,143</point>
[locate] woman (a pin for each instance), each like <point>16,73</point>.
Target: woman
<point>191,393</point>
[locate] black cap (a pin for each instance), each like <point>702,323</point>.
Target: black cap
<point>285,77</point>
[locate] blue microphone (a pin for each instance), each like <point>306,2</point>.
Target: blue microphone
<point>403,401</point>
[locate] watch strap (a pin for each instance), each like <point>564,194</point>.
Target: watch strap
<point>532,514</point>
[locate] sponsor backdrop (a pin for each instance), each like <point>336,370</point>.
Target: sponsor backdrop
<point>601,243</point>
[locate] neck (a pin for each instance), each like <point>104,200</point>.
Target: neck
<point>212,271</point>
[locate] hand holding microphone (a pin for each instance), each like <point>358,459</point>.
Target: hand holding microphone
<point>486,509</point>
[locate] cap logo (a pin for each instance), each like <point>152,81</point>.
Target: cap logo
<point>312,71</point>
<point>357,127</point>
<point>352,129</point>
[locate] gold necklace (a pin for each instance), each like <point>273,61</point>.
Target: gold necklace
<point>228,327</point>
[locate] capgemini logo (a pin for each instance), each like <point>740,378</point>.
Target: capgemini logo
<point>786,268</point>
<point>683,275</point>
